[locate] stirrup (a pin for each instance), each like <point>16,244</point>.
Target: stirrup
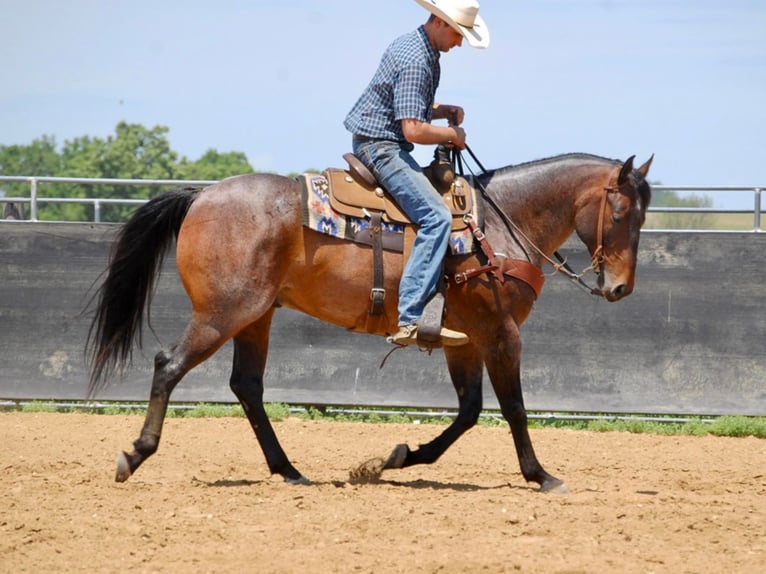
<point>430,323</point>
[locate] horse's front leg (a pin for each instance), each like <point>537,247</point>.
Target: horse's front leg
<point>466,369</point>
<point>504,369</point>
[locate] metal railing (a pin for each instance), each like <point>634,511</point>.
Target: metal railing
<point>34,199</point>
<point>756,212</point>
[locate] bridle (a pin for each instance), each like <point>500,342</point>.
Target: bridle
<point>599,255</point>
<point>561,266</point>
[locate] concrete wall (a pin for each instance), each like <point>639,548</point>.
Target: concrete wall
<point>689,340</point>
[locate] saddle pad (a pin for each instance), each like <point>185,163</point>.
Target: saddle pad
<point>318,214</point>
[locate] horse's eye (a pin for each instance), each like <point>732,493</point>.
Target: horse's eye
<point>616,218</point>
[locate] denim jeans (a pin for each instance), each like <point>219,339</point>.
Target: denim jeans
<point>400,175</point>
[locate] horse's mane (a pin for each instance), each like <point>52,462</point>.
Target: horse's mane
<point>644,189</point>
<point>576,156</point>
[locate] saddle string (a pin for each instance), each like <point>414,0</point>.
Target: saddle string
<point>562,266</point>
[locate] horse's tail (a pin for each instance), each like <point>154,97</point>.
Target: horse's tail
<point>126,292</point>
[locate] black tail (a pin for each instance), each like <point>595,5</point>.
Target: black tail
<point>125,294</point>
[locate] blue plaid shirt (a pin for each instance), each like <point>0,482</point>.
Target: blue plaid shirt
<point>404,87</point>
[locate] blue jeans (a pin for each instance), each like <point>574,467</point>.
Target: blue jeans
<point>400,175</point>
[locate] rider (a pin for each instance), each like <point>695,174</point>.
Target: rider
<point>395,112</point>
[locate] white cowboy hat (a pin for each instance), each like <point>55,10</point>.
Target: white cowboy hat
<point>463,16</point>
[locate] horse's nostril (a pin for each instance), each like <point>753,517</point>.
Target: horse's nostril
<point>619,291</point>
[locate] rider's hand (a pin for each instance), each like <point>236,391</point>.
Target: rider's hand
<point>453,114</point>
<point>457,115</point>
<point>459,139</point>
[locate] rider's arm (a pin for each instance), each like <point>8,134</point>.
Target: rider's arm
<point>424,133</point>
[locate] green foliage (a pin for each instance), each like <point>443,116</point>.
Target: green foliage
<point>739,426</point>
<point>214,166</point>
<point>495,421</point>
<point>734,426</point>
<point>38,158</point>
<point>133,152</point>
<point>39,407</point>
<point>680,220</point>
<point>731,426</point>
<point>277,411</point>
<point>314,414</point>
<point>213,410</point>
<point>117,410</point>
<point>636,426</point>
<point>672,199</point>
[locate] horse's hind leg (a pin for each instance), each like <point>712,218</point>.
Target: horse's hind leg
<point>199,342</point>
<point>250,351</point>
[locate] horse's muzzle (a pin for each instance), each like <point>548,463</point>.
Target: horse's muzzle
<point>615,293</point>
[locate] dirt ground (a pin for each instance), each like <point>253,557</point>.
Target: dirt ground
<point>206,503</point>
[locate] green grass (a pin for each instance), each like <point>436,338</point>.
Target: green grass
<point>39,407</point>
<point>701,221</point>
<point>732,426</point>
<point>739,426</point>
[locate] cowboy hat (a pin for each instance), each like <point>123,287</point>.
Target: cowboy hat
<point>463,16</point>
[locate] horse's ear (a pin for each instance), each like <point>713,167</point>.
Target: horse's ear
<point>644,169</point>
<point>627,167</point>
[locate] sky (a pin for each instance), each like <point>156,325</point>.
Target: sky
<point>682,79</point>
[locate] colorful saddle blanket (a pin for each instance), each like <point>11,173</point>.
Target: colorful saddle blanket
<point>336,204</point>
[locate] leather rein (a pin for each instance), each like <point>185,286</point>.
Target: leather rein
<point>597,258</point>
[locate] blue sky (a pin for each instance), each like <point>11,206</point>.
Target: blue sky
<point>683,79</point>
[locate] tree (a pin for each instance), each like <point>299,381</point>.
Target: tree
<point>214,166</point>
<point>133,152</point>
<point>679,220</point>
<point>38,158</point>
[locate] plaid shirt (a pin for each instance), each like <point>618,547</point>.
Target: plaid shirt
<point>404,87</point>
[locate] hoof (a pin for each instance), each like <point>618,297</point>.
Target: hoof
<point>555,487</point>
<point>397,457</point>
<point>123,468</point>
<point>301,480</point>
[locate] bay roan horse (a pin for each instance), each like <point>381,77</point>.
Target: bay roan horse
<point>242,252</point>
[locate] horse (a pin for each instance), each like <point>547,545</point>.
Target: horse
<point>242,252</point>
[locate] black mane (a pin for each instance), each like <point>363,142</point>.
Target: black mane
<point>643,187</point>
<point>552,159</point>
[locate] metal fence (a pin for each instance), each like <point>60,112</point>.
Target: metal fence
<point>35,199</point>
<point>706,357</point>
